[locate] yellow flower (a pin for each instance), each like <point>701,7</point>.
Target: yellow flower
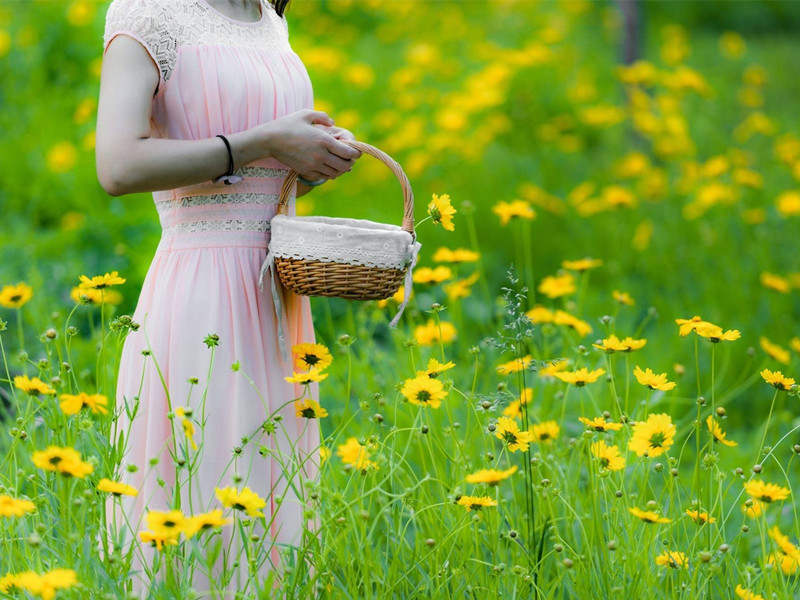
<point>306,378</point>
<point>518,364</point>
<point>603,115</point>
<point>783,543</point>
<point>514,409</point>
<point>623,297</point>
<point>507,430</point>
<point>553,368</point>
<point>435,368</point>
<point>435,275</point>
<point>775,282</point>
<point>61,157</point>
<point>766,492</point>
<point>428,334</point>
<point>555,286</point>
<point>246,500</point>
<point>689,325</point>
<point>309,409</point>
<point>476,502</point>
<point>613,344</point>
<point>650,380</point>
<point>203,522</point>
<point>788,203</point>
<point>652,437</point>
<point>775,351</point>
<point>460,288</point>
<point>544,432</point>
<point>715,334</point>
<point>311,356</point>
<point>33,386</point>
<point>609,456</point>
<point>746,594</point>
<point>516,209</point>
<point>167,523</point>
<point>755,509</point>
<point>353,453</point>
<point>80,12</point>
<point>117,488</point>
<point>540,314</point>
<point>188,426</point>
<point>700,517</point>
<point>324,454</point>
<point>458,255</point>
<point>600,424</point>
<point>424,391</point>
<point>777,379</point>
<point>717,433</point>
<point>583,264</point>
<point>787,563</point>
<point>491,477</point>
<point>674,560</point>
<point>46,584</point>
<point>580,377</point>
<point>99,282</point>
<point>396,297</point>
<point>441,211</point>
<point>648,516</point>
<point>92,296</point>
<point>15,296</point>
<point>732,45</point>
<point>15,507</point>
<point>66,461</point>
<point>159,540</point>
<point>72,404</point>
<point>561,317</point>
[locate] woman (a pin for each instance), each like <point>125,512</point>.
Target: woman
<point>177,74</point>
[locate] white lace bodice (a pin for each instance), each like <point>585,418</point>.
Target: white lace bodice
<point>163,26</point>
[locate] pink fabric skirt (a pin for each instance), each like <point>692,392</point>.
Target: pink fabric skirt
<point>200,286</point>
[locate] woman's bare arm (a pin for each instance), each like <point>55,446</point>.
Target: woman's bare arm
<point>129,160</point>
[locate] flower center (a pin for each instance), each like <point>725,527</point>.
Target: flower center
<point>657,439</point>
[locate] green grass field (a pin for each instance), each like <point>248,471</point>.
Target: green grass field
<point>658,201</point>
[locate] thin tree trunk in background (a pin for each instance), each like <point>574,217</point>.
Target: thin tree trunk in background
<point>630,52</point>
<point>631,30</point>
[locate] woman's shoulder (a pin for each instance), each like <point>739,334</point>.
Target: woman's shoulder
<point>153,23</point>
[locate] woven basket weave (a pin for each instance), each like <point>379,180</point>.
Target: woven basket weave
<point>336,257</point>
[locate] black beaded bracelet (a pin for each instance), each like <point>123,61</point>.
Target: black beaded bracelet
<point>228,178</point>
<point>311,183</point>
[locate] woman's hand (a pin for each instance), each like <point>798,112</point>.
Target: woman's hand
<point>314,152</point>
<point>340,133</point>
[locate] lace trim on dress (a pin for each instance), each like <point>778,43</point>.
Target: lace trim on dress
<point>236,198</point>
<point>248,171</point>
<point>222,225</point>
<point>200,25</point>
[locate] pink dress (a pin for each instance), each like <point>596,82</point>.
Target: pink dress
<point>217,75</point>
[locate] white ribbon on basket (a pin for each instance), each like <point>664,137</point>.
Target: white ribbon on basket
<point>269,265</point>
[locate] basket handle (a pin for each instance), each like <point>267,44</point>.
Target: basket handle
<point>394,167</point>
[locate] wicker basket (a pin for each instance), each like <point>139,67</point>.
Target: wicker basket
<point>356,259</point>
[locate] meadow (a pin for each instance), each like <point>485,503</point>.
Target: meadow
<point>593,390</point>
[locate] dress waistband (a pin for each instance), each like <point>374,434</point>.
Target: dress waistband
<point>219,215</point>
